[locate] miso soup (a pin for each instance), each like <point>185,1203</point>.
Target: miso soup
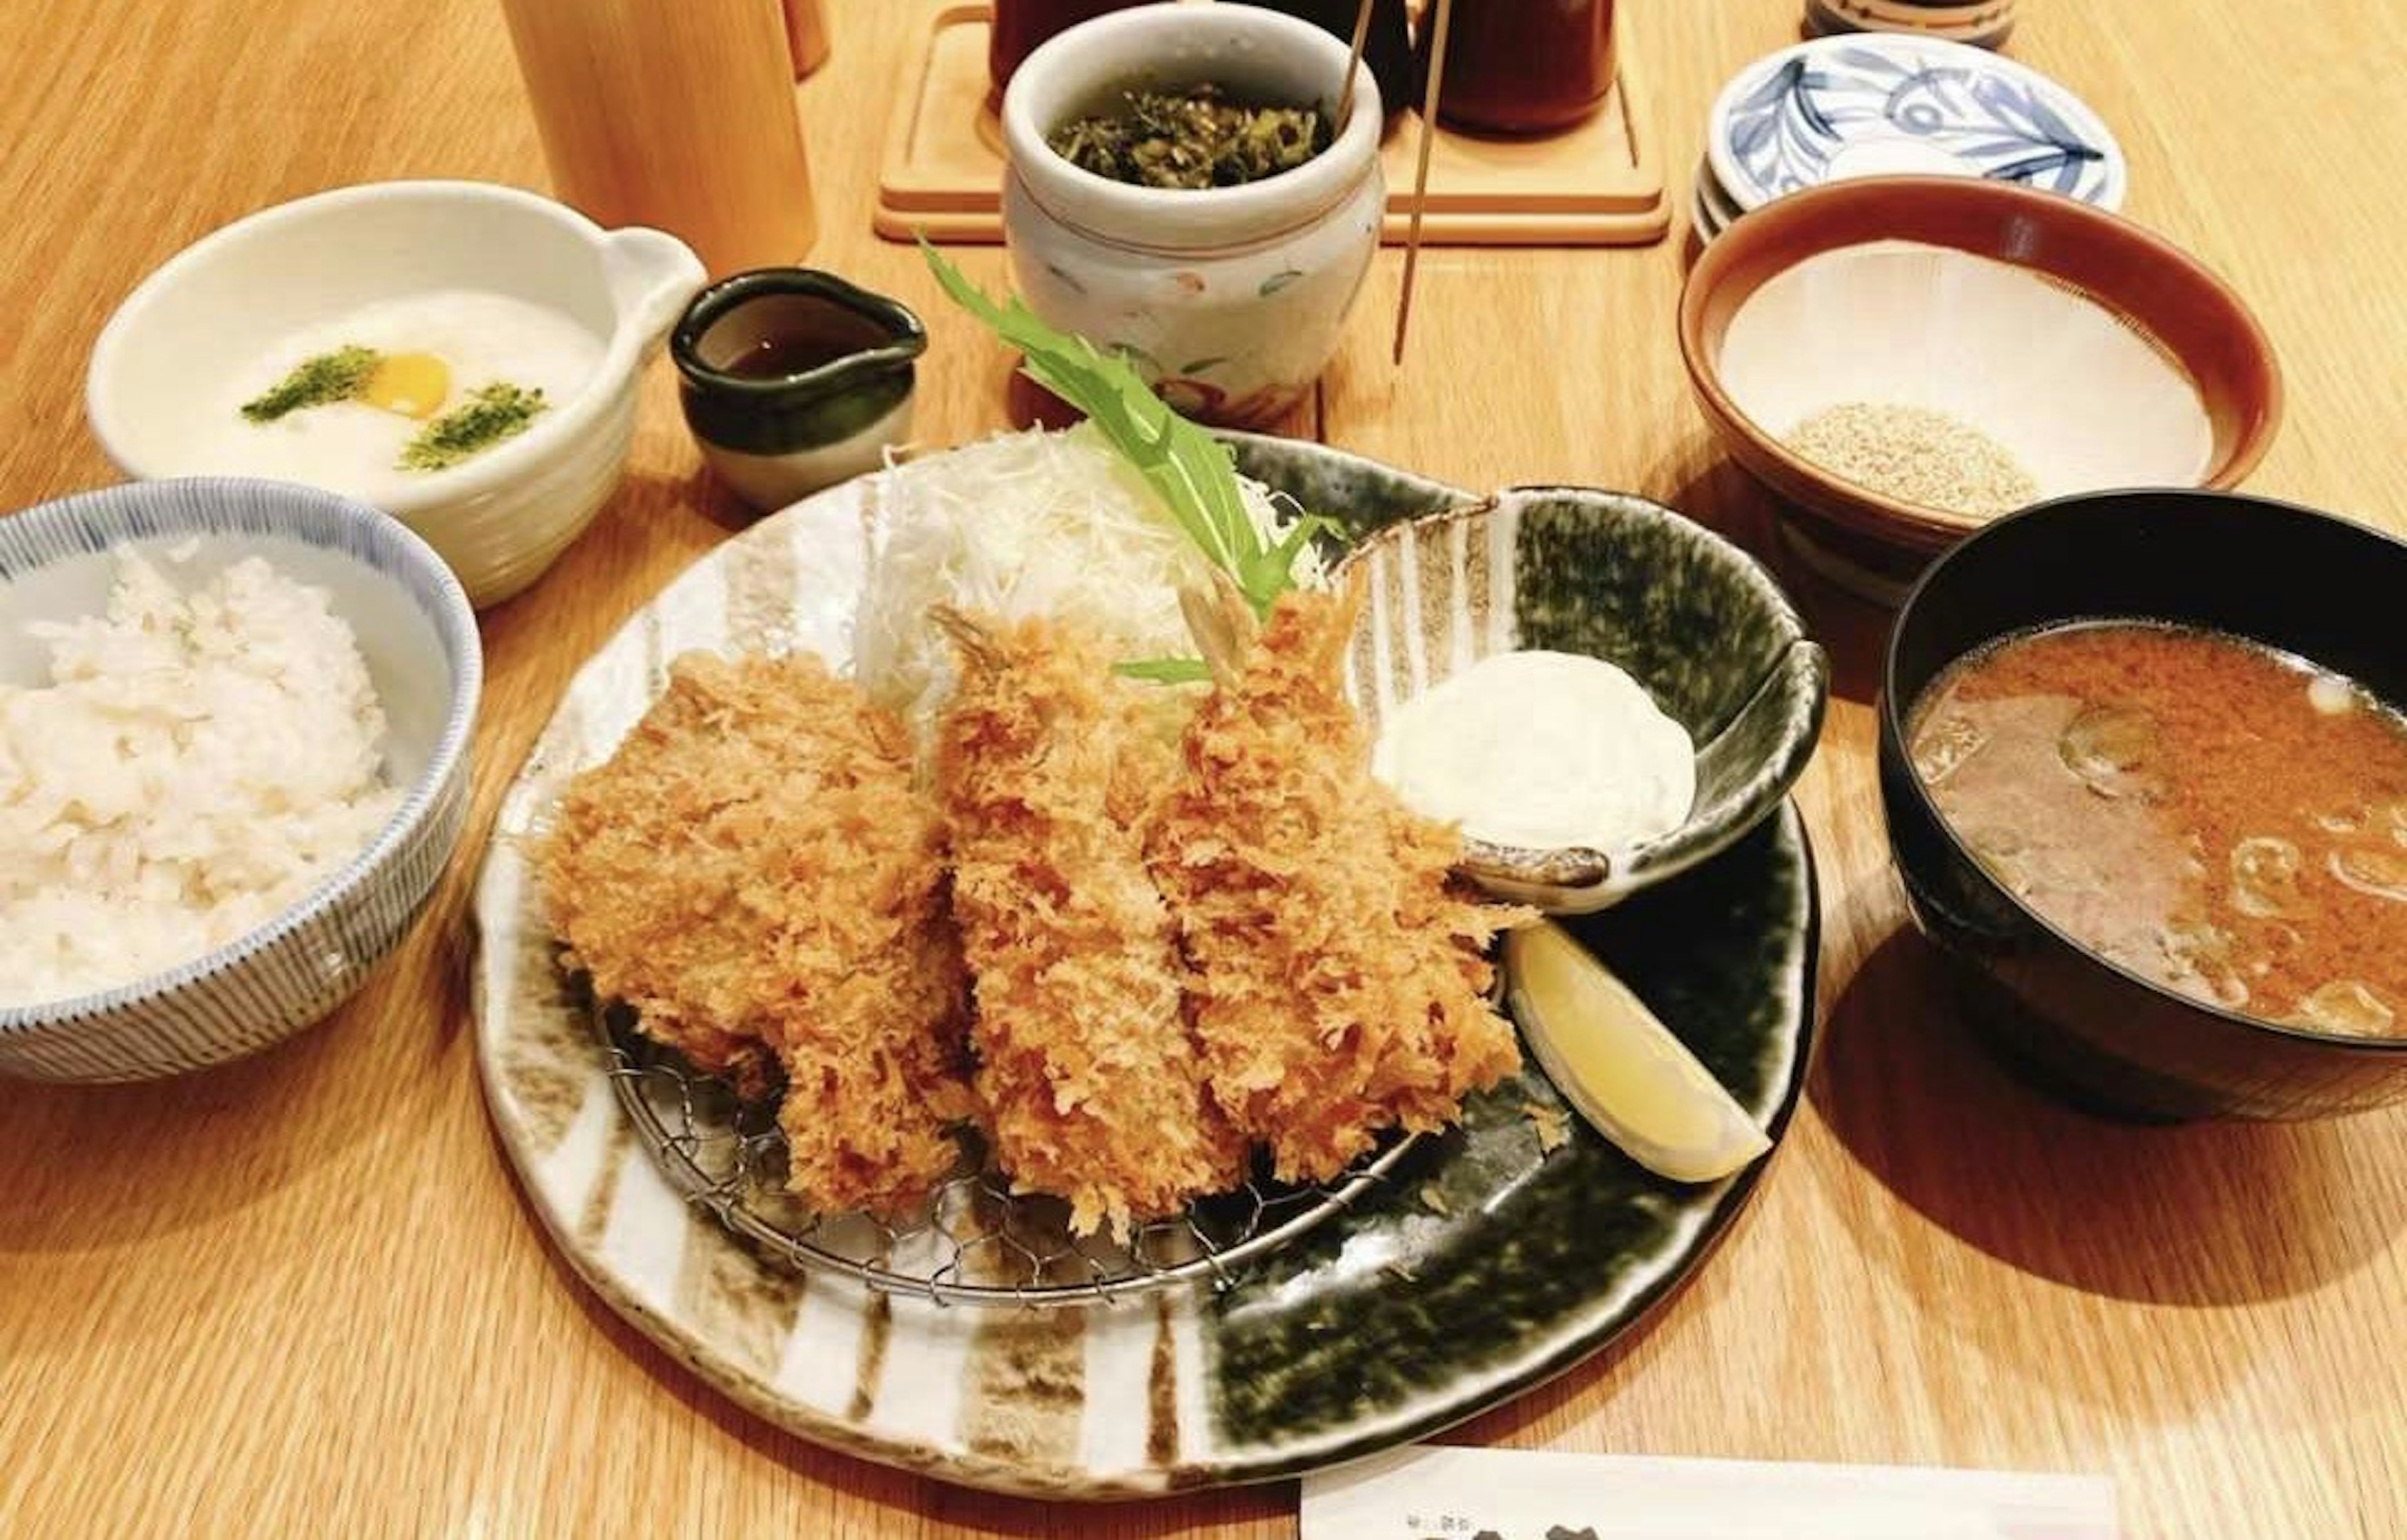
<point>2218,817</point>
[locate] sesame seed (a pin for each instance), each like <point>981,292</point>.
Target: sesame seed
<point>1916,455</point>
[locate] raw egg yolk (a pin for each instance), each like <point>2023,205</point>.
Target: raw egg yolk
<point>408,385</point>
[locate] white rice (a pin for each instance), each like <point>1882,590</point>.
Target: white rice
<point>199,762</point>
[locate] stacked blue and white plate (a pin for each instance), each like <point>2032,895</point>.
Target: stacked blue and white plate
<point>1890,103</point>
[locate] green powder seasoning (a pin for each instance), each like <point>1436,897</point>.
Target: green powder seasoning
<point>315,382</point>
<point>495,412</point>
<point>1196,137</point>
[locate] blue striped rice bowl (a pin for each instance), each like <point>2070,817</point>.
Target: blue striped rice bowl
<point>420,640</point>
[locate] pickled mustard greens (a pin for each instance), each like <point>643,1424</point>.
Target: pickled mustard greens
<point>494,412</point>
<point>1192,138</point>
<point>317,381</point>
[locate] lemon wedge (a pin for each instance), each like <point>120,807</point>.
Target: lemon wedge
<point>1624,1071</point>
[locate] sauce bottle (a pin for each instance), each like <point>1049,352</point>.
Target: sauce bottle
<point>1021,25</point>
<point>1387,49</point>
<point>680,117</point>
<point>1522,67</point>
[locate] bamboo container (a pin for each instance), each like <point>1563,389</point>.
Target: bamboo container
<point>679,116</point>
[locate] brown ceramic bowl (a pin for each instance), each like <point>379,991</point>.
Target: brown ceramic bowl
<point>2190,317</point>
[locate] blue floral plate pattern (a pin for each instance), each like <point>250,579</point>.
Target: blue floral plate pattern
<point>1868,104</point>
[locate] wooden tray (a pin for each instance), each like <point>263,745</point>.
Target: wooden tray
<point>1599,184</point>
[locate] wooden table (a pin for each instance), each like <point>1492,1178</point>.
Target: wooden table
<point>303,1293</point>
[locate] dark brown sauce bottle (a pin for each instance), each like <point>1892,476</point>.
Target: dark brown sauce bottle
<point>1387,49</point>
<point>1021,25</point>
<point>1522,67</point>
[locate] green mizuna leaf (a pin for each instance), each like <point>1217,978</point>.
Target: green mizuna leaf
<point>1166,670</point>
<point>1190,469</point>
<point>1271,568</point>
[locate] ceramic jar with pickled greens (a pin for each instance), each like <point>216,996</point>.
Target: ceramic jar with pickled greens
<point>1229,299</point>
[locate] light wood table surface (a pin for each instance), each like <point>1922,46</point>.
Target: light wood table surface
<point>303,1294</point>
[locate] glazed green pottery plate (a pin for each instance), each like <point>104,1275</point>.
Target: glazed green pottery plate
<point>1481,1264</point>
<point>1572,569</point>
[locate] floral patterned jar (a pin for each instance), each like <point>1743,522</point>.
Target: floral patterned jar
<point>1230,300</point>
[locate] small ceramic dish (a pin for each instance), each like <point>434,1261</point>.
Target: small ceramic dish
<point>1983,23</point>
<point>1889,103</point>
<point>1694,619</point>
<point>1701,217</point>
<point>2106,356</point>
<point>795,379</point>
<point>1228,300</point>
<point>1717,198</point>
<point>1710,208</point>
<point>501,518</point>
<point>419,639</point>
<point>2321,587</point>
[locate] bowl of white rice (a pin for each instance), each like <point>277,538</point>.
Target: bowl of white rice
<point>234,763</point>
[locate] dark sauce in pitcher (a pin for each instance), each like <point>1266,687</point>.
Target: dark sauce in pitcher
<point>776,357</point>
<point>773,336</point>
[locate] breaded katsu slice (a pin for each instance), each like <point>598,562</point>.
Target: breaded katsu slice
<point>1341,977</point>
<point>752,871</point>
<point>1086,1070</point>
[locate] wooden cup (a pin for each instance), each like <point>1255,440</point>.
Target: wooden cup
<point>680,117</point>
<point>806,34</point>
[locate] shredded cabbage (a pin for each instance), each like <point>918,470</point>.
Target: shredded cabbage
<point>1030,523</point>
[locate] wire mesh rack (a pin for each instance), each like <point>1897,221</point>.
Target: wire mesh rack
<point>974,1242</point>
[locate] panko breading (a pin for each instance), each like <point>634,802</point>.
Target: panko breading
<point>1341,981</point>
<point>750,870</point>
<point>1085,1065</point>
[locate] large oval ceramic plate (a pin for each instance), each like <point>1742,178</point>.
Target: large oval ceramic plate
<point>1486,1265</point>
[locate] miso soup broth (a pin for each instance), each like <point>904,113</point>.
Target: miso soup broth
<point>2216,816</point>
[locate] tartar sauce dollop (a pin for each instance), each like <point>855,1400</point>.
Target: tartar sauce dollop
<point>1541,749</point>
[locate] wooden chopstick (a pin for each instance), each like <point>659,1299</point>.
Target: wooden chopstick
<point>1353,67</point>
<point>1420,173</point>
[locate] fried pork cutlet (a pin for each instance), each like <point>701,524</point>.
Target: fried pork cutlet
<point>1085,1065</point>
<point>751,871</point>
<point>1341,980</point>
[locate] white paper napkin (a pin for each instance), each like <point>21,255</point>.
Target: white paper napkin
<point>1517,1494</point>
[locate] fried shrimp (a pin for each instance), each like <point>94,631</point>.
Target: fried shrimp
<point>752,872</point>
<point>1341,980</point>
<point>1085,1069</point>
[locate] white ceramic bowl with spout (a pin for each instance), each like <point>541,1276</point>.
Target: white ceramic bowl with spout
<point>499,519</point>
<point>1230,300</point>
